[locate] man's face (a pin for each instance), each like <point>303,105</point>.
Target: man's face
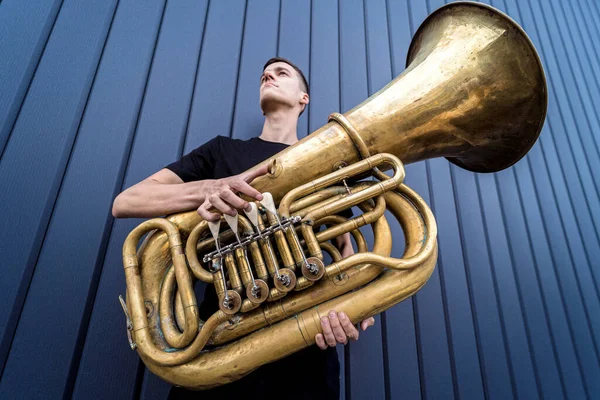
<point>281,85</point>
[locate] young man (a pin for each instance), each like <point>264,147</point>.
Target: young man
<point>212,176</point>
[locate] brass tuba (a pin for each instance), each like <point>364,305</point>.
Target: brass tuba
<point>473,91</point>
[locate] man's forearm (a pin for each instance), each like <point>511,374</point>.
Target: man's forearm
<point>344,245</point>
<point>153,199</point>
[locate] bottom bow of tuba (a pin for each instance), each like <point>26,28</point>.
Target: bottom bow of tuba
<point>473,92</point>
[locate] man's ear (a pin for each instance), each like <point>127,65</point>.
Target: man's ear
<point>305,99</point>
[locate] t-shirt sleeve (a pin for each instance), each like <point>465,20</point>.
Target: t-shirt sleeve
<point>198,164</point>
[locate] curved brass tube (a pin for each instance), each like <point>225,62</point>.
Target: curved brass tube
<point>300,331</point>
<point>192,256</point>
<point>327,234</point>
<point>352,199</point>
<point>173,336</point>
<point>182,275</point>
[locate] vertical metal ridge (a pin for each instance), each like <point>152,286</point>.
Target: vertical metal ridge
<point>278,28</point>
<point>411,24</point>
<point>386,361</point>
<point>310,33</point>
<point>465,255</point>
<point>347,372</point>
<point>366,48</point>
<point>33,259</point>
<point>418,346</point>
<point>37,64</point>
<point>390,39</point>
<point>139,380</point>
<point>440,268</point>
<point>340,105</point>
<point>183,139</point>
<point>239,66</point>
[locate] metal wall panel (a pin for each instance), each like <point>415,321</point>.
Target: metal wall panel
<point>97,95</point>
<point>24,32</point>
<point>31,173</point>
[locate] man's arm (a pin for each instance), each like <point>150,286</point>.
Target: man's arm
<point>160,194</point>
<point>344,245</point>
<point>165,193</point>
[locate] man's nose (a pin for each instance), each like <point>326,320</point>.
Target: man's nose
<point>269,76</point>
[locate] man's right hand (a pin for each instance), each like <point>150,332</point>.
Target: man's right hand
<point>224,194</point>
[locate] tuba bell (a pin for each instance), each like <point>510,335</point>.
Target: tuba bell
<point>473,91</point>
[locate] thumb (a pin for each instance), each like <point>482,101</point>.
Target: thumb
<point>366,323</point>
<point>250,176</point>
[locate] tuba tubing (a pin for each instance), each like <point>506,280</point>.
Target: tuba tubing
<point>233,360</point>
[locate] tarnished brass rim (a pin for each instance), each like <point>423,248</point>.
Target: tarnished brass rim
<point>515,24</point>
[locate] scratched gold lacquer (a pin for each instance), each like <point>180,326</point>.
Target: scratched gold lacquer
<point>473,91</point>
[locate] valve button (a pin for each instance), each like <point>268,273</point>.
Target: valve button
<point>314,270</point>
<point>259,293</point>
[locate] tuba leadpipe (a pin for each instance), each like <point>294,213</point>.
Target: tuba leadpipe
<point>473,91</point>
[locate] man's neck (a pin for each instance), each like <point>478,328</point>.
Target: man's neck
<point>281,126</point>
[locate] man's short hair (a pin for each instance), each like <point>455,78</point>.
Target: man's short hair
<point>291,64</point>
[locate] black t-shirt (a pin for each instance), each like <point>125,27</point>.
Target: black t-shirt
<point>310,373</point>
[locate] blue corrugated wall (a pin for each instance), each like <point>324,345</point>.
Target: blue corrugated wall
<point>96,95</point>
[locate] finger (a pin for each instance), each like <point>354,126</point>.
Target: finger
<point>243,187</point>
<point>327,332</point>
<point>349,328</point>
<point>232,199</point>
<point>207,215</point>
<point>337,329</point>
<point>260,171</point>
<point>250,176</point>
<point>367,323</point>
<point>220,205</point>
<point>320,341</point>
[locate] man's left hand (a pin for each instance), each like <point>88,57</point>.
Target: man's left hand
<point>337,328</point>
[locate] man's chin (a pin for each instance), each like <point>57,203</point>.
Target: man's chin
<point>268,103</point>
